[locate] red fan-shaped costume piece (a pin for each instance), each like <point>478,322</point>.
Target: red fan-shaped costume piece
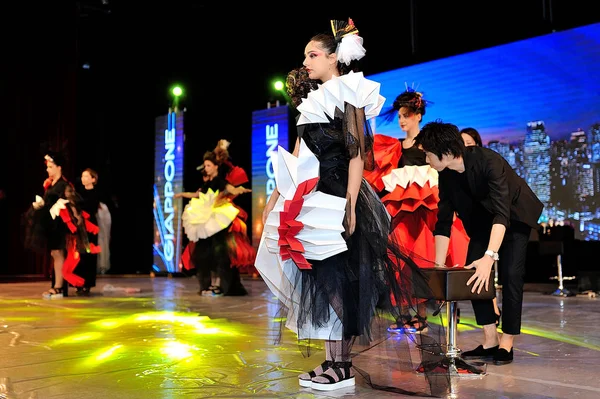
<point>387,151</point>
<point>237,176</point>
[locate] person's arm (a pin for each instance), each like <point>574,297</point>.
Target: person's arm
<point>355,176</point>
<point>443,225</point>
<point>500,207</point>
<point>187,195</point>
<point>235,191</point>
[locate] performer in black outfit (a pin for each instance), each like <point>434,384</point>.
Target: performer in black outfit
<point>498,210</point>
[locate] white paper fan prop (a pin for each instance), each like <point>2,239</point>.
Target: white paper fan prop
<point>406,175</point>
<point>304,225</point>
<point>202,219</point>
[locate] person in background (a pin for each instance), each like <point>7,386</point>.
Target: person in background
<point>471,136</point>
<point>89,203</point>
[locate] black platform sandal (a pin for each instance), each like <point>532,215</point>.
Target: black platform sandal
<point>344,378</point>
<point>307,382</point>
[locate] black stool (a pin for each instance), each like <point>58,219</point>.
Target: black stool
<point>556,248</point>
<point>449,285</point>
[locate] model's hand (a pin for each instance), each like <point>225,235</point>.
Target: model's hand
<point>351,222</point>
<point>39,202</point>
<point>268,208</point>
<point>243,190</point>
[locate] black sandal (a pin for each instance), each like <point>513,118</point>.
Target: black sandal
<point>307,383</point>
<point>344,379</point>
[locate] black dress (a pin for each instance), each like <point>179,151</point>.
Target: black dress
<point>42,232</point>
<point>360,283</point>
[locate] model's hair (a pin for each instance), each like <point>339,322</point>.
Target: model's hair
<point>329,44</point>
<point>58,158</point>
<point>411,99</point>
<point>211,156</point>
<point>440,139</point>
<point>474,134</point>
<point>298,85</point>
<point>94,175</point>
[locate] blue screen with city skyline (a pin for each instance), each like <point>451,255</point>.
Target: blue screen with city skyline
<point>536,101</point>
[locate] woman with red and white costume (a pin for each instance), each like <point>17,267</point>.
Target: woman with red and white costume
<point>219,246</point>
<point>408,188</point>
<point>56,223</point>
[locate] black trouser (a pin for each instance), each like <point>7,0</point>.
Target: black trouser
<point>511,270</point>
<point>211,257</point>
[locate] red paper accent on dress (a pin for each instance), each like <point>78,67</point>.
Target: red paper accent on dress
<point>237,176</point>
<point>95,249</point>
<point>409,199</point>
<point>66,217</point>
<point>387,151</point>
<point>186,258</point>
<point>289,246</point>
<point>71,261</point>
<point>91,227</point>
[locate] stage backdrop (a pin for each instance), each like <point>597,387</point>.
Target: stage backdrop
<point>270,129</point>
<point>536,102</point>
<point>168,179</point>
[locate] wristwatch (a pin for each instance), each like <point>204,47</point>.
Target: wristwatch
<point>492,254</point>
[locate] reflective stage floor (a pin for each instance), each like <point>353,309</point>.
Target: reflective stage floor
<point>168,342</point>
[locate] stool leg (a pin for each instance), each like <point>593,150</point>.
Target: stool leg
<point>452,364</point>
<point>451,316</point>
<point>561,291</point>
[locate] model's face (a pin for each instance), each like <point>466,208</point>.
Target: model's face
<point>87,179</point>
<point>53,170</point>
<point>319,65</point>
<point>211,169</point>
<point>468,140</point>
<point>408,120</point>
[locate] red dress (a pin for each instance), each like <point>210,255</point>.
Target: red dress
<point>408,189</point>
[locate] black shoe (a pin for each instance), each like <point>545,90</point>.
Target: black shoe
<point>480,353</point>
<point>503,356</point>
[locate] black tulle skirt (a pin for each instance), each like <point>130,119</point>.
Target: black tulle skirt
<point>359,284</point>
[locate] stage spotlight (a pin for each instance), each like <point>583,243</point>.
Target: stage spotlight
<point>278,85</point>
<point>177,91</point>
